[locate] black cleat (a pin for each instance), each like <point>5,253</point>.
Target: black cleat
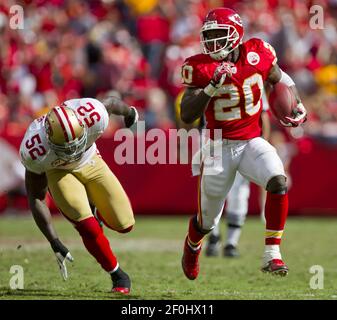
<point>213,246</point>
<point>230,251</point>
<point>120,282</point>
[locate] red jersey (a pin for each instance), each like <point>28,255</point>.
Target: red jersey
<point>237,105</point>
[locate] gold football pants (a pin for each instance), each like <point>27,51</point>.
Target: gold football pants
<point>94,183</point>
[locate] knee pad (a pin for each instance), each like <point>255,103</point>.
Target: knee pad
<point>235,219</point>
<point>277,185</point>
<point>214,185</point>
<point>89,228</point>
<point>125,230</point>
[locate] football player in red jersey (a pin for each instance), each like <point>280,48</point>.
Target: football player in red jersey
<point>225,83</point>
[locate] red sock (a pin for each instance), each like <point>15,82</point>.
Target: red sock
<point>276,212</point>
<point>96,243</point>
<point>194,235</point>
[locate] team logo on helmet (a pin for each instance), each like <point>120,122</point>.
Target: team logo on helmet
<point>253,58</point>
<point>236,19</point>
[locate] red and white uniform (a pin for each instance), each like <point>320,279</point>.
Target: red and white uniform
<point>38,157</point>
<point>235,110</point>
<point>237,106</point>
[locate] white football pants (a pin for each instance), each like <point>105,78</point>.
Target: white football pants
<point>255,159</point>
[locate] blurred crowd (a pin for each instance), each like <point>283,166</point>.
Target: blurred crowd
<point>134,49</point>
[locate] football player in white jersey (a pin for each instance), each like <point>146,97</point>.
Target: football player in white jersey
<point>60,155</point>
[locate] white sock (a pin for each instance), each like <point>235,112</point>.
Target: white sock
<point>271,252</point>
<point>112,271</point>
<point>233,236</point>
<point>194,248</point>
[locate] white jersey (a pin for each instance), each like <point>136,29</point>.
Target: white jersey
<point>35,152</point>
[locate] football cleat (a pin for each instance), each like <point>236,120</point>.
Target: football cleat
<point>121,282</point>
<point>213,246</point>
<point>121,290</point>
<point>190,261</point>
<point>277,267</point>
<point>230,251</point>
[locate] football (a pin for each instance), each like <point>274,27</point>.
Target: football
<point>282,101</point>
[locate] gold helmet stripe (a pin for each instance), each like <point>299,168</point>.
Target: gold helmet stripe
<point>65,123</point>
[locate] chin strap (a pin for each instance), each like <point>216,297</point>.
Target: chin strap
<point>219,55</point>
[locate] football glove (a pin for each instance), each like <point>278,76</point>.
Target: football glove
<point>131,118</point>
<point>221,72</point>
<point>62,254</point>
<point>300,116</point>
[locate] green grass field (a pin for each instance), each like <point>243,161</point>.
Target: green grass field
<point>151,255</point>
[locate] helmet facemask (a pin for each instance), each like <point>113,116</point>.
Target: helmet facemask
<point>70,151</point>
<point>219,47</point>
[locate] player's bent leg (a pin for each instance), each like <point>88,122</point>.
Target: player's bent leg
<point>262,165</point>
<point>196,234</point>
<point>75,206</point>
<point>237,208</point>
<point>276,211</point>
<point>213,242</point>
<point>98,245</point>
<point>192,249</point>
<point>234,227</point>
<point>213,190</point>
<point>109,197</point>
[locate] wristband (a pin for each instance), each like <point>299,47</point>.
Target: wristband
<point>58,246</point>
<point>285,79</point>
<point>210,90</point>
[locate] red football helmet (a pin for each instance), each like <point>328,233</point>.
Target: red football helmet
<point>230,32</point>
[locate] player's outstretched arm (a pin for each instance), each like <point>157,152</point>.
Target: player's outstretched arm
<point>36,186</point>
<point>120,108</point>
<point>277,75</point>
